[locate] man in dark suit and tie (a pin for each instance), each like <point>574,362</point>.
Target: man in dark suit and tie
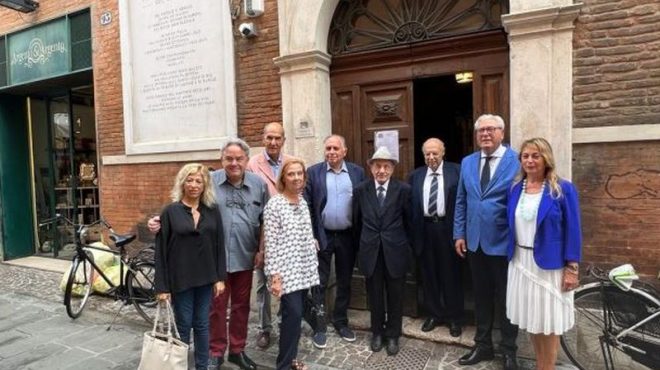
<point>433,198</point>
<point>329,194</point>
<point>481,232</point>
<point>381,209</point>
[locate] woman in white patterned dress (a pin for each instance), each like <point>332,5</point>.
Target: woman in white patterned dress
<point>544,251</point>
<point>291,264</point>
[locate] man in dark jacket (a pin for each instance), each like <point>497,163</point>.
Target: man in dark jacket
<point>381,209</point>
<point>433,199</point>
<point>329,194</point>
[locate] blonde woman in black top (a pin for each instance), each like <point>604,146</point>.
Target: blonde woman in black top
<point>190,256</point>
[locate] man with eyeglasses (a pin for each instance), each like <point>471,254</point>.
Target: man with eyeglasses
<point>241,197</point>
<point>329,194</point>
<point>267,166</point>
<point>481,232</point>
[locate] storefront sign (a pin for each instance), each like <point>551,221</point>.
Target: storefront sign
<point>39,52</point>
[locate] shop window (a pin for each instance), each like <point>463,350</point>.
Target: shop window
<point>81,41</point>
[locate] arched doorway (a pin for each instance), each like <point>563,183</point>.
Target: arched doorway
<point>395,67</point>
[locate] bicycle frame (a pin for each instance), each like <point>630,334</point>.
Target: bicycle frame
<point>99,270</point>
<point>612,339</point>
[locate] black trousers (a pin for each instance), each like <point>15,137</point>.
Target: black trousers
<point>291,306</point>
<point>342,245</point>
<point>489,276</point>
<point>379,285</point>
<point>441,273</point>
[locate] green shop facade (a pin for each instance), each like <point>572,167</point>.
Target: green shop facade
<point>48,155</point>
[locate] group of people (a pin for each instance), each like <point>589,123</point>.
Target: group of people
<point>509,214</point>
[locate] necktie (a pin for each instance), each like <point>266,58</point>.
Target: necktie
<point>381,195</point>
<point>433,195</point>
<point>485,174</point>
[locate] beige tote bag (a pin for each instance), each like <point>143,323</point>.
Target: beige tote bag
<point>164,350</point>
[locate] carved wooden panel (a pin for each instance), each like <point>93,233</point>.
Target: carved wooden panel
<point>373,24</point>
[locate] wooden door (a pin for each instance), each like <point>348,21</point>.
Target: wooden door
<point>374,91</point>
<point>359,111</point>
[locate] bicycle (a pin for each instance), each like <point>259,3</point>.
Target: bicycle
<point>614,327</point>
<point>135,287</point>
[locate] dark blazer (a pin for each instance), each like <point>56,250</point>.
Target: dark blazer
<point>558,238</point>
<point>388,226</point>
<point>316,195</point>
<point>450,175</point>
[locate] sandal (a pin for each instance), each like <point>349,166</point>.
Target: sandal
<point>298,365</point>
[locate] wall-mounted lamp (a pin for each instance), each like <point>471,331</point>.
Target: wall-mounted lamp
<point>24,6</point>
<point>464,77</point>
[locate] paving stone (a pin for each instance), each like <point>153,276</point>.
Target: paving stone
<point>26,358</point>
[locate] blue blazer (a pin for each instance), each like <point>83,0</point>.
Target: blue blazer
<point>316,195</point>
<point>450,174</point>
<point>480,218</point>
<point>558,236</point>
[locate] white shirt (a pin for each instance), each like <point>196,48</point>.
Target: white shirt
<point>440,201</point>
<point>495,159</point>
<point>526,229</point>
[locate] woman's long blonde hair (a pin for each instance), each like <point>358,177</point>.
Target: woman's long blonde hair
<point>208,195</point>
<point>544,148</point>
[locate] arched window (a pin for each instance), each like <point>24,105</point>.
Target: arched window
<point>360,25</point>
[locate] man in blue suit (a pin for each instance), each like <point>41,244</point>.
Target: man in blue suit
<point>433,199</point>
<point>481,231</point>
<point>329,194</point>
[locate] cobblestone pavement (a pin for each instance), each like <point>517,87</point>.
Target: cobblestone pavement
<point>35,333</point>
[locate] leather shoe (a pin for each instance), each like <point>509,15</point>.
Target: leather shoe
<point>242,361</point>
<point>376,343</point>
<point>430,324</point>
<point>263,340</point>
<point>215,362</point>
<point>455,329</point>
<point>475,356</point>
<point>510,362</point>
<point>392,346</point>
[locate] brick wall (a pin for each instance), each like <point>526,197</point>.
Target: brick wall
<point>617,82</point>
<point>258,81</point>
<point>617,63</point>
<point>619,187</point>
<point>11,20</point>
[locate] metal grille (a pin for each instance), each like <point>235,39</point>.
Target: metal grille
<point>359,25</point>
<point>81,40</point>
<point>407,358</point>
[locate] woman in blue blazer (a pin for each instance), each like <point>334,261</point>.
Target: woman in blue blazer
<point>544,251</point>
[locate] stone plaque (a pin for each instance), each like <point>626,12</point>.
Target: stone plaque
<point>178,75</point>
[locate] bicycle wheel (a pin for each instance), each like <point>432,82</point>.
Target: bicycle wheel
<point>79,286</point>
<point>582,344</point>
<point>141,291</point>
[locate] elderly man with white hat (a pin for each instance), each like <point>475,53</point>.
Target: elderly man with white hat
<point>381,210</point>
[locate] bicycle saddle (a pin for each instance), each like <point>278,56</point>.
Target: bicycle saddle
<point>122,240</point>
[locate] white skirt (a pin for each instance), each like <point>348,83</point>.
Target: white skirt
<point>534,300</point>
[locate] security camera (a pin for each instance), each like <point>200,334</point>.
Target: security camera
<point>247,30</point>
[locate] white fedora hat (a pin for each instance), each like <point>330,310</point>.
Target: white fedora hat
<point>384,154</point>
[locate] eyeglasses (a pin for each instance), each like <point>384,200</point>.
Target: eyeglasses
<point>488,130</point>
